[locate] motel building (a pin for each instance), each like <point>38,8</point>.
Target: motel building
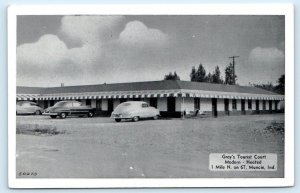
<point>171,97</point>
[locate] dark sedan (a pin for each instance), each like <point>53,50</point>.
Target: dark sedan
<point>69,108</point>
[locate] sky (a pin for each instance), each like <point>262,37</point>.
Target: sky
<point>95,49</point>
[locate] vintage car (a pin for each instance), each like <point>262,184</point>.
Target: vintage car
<point>134,110</point>
<point>28,107</point>
<point>69,108</point>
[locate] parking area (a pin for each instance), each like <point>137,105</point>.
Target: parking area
<point>99,147</point>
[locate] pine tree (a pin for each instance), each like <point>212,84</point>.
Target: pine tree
<point>229,75</point>
<point>172,76</point>
<point>193,74</point>
<point>216,77</point>
<point>201,74</point>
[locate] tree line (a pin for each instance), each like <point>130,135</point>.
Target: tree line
<point>199,75</point>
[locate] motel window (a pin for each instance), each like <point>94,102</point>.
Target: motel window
<point>76,104</point>
<point>197,103</point>
<point>264,105</point>
<point>88,102</point>
<point>249,104</point>
<point>144,105</point>
<point>234,104</point>
<point>153,102</point>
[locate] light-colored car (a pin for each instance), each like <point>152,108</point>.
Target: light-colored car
<point>28,107</point>
<point>69,108</point>
<point>134,110</point>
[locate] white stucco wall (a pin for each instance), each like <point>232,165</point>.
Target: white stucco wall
<point>238,105</point>
<point>178,102</point>
<point>246,105</point>
<point>162,104</point>
<point>220,105</point>
<point>205,104</point>
<point>273,105</point>
<point>104,105</point>
<point>267,105</point>
<point>188,104</point>
<point>260,105</point>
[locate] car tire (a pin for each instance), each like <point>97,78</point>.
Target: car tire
<point>118,120</point>
<point>63,115</point>
<point>38,112</point>
<point>53,116</point>
<point>90,114</point>
<point>155,117</point>
<point>135,119</point>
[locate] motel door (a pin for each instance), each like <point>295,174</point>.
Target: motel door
<point>214,107</point>
<point>270,106</point>
<point>257,106</point>
<point>226,103</point>
<point>110,105</point>
<point>171,105</point>
<point>243,106</point>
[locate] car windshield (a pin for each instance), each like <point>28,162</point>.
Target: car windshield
<point>61,104</point>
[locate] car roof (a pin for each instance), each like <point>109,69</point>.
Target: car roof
<point>26,102</point>
<point>69,101</point>
<point>136,102</point>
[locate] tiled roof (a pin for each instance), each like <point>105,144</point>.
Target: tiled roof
<point>151,85</point>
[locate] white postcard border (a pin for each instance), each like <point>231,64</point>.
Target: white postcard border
<point>153,9</point>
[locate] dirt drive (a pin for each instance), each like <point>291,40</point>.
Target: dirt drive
<point>101,148</point>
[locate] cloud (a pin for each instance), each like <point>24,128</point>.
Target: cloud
<point>48,48</point>
<point>264,65</point>
<point>89,29</point>
<point>138,34</point>
<point>48,57</point>
<point>94,52</point>
<point>266,55</point>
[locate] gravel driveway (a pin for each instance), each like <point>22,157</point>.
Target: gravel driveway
<point>99,147</point>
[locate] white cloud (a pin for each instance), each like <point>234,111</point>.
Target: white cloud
<point>48,49</point>
<point>97,53</point>
<point>88,29</point>
<point>264,65</point>
<point>266,55</point>
<point>138,34</point>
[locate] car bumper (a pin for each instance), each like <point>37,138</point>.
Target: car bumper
<point>49,114</point>
<point>121,117</point>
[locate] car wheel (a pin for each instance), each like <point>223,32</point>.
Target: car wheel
<point>135,119</point>
<point>63,115</point>
<point>38,112</point>
<point>90,114</point>
<point>155,117</point>
<point>118,120</point>
<point>53,116</point>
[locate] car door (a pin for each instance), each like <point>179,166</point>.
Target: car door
<point>26,108</point>
<point>68,108</point>
<point>145,110</point>
<point>78,108</point>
